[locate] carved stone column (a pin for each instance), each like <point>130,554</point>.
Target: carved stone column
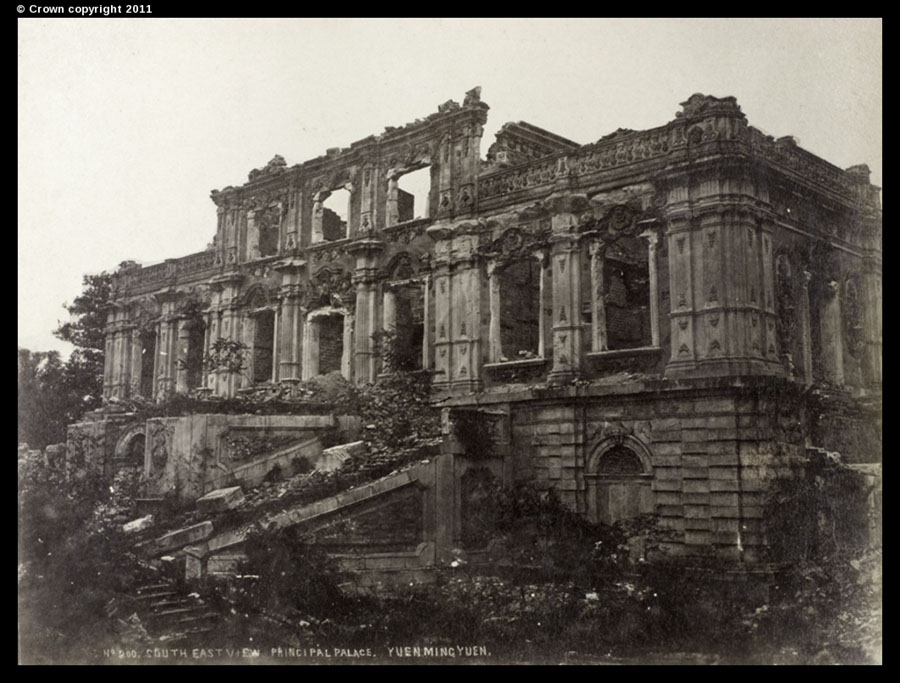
<point>310,366</point>
<point>347,348</point>
<point>427,340</point>
<point>389,309</point>
<point>393,211</point>
<point>494,350</point>
<point>598,296</point>
<point>181,354</point>
<point>832,333</point>
<point>317,216</point>
<point>137,354</point>
<point>166,354</point>
<point>545,301</point>
<point>805,329</point>
<point>652,239</point>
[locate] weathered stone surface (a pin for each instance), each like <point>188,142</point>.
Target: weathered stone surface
<point>177,539</point>
<point>221,500</point>
<point>332,458</point>
<point>592,299</point>
<point>139,524</point>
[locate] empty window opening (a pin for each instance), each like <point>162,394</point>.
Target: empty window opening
<point>520,310</point>
<point>335,215</point>
<point>267,225</point>
<point>148,360</point>
<point>331,343</point>
<point>409,330</point>
<point>627,304</point>
<point>263,345</point>
<point>413,195</point>
<point>194,359</point>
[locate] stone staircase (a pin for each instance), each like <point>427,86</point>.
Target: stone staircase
<point>172,616</point>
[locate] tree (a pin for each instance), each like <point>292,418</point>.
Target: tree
<point>87,331</point>
<point>53,393</point>
<point>42,398</point>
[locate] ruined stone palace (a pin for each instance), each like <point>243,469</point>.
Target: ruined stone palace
<point>656,321</point>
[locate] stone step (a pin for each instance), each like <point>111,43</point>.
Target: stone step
<point>173,612</point>
<point>198,618</point>
<point>173,602</point>
<point>182,636</point>
<point>156,596</point>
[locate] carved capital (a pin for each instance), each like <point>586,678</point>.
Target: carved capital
<point>597,247</point>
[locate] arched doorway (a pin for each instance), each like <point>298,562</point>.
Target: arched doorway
<point>618,478</point>
<point>131,448</point>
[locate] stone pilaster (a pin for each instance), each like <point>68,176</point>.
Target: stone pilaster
<point>566,322</point>
<point>565,260</point>
<point>227,326</point>
<point>290,319</point>
<point>465,326</point>
<point>442,305</point>
<point>366,317</point>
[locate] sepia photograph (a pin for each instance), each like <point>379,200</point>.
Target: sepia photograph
<point>393,341</point>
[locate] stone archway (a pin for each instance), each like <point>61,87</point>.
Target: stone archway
<point>131,448</point>
<point>618,480</point>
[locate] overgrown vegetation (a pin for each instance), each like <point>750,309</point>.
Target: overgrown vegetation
<point>53,393</point>
<point>73,557</point>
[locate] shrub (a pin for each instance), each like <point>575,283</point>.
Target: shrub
<point>72,558</point>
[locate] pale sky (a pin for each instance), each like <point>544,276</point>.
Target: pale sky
<point>126,125</point>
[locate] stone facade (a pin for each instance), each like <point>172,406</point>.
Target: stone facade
<point>649,315</point>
